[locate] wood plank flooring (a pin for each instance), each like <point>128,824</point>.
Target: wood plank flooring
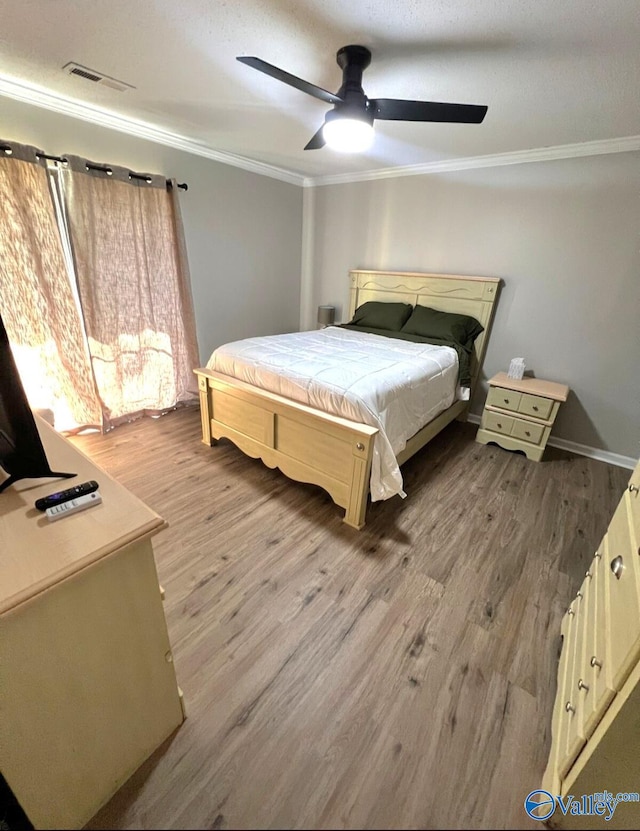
<point>397,677</point>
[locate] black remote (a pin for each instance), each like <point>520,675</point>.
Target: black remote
<point>64,496</point>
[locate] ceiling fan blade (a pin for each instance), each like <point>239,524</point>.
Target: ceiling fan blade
<point>317,141</point>
<point>292,80</point>
<point>393,109</point>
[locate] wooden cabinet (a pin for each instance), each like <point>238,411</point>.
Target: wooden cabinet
<point>596,718</point>
<point>88,687</point>
<point>519,414</point>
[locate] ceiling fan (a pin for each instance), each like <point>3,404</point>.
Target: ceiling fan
<point>349,125</point>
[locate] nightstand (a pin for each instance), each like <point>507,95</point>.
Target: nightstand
<point>519,414</point>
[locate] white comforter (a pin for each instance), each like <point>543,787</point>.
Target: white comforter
<point>394,385</point>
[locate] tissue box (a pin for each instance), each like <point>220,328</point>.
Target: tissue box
<point>516,368</point>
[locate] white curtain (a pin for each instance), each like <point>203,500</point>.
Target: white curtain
<point>133,283</point>
<point>37,303</point>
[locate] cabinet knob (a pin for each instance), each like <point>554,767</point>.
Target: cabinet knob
<point>598,555</point>
<point>595,662</point>
<point>527,433</point>
<point>570,611</point>
<point>617,566</point>
<point>582,685</point>
<point>579,594</point>
<point>570,708</point>
<point>588,574</point>
<point>535,407</point>
<point>506,400</point>
<point>359,446</point>
<point>634,489</point>
<point>499,424</point>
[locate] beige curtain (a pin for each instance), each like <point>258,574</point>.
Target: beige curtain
<point>134,289</point>
<point>36,299</point>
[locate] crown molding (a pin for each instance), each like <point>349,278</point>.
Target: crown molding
<point>41,97</point>
<point>626,144</point>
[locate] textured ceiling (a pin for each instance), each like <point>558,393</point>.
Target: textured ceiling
<point>551,72</point>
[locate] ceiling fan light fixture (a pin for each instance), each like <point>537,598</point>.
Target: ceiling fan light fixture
<point>348,135</point>
<point>348,128</point>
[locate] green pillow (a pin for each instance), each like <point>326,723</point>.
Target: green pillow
<point>378,315</point>
<point>431,323</point>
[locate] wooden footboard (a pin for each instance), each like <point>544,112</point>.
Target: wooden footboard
<point>305,444</point>
<point>326,450</point>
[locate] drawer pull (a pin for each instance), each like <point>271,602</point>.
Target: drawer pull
<point>582,685</point>
<point>359,446</point>
<point>598,555</point>
<point>570,708</point>
<point>499,425</point>
<point>634,489</point>
<point>535,407</point>
<point>617,566</point>
<point>527,433</point>
<point>506,400</point>
<point>589,575</point>
<point>570,611</point>
<point>595,662</point>
<point>579,594</point>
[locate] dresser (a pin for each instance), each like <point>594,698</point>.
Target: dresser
<point>88,688</point>
<point>519,414</point>
<point>596,717</point>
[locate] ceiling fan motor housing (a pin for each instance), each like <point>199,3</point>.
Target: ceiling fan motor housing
<point>353,60</point>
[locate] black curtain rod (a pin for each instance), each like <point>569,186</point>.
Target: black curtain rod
<point>105,168</point>
<point>141,176</point>
<point>51,158</point>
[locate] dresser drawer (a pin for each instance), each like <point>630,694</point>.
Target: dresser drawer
<point>498,423</point>
<point>558,726</point>
<point>580,689</point>
<point>621,571</point>
<point>632,497</point>
<point>535,405</point>
<point>570,740</point>
<point>597,657</point>
<point>527,431</point>
<point>504,399</point>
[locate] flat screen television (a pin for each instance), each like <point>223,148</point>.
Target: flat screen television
<point>22,455</point>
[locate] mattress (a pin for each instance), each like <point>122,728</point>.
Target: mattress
<point>394,385</point>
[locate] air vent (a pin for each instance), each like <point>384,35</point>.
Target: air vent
<point>84,74</point>
<point>96,77</point>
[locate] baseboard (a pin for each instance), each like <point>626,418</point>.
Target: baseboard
<point>582,449</point>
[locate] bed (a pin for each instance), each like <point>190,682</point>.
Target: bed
<point>309,444</point>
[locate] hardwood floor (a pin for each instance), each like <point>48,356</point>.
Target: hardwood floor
<point>397,677</point>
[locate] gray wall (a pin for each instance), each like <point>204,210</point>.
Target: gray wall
<point>243,230</point>
<point>565,238</point>
<point>563,235</point>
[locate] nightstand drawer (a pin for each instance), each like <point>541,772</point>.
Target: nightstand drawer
<point>535,405</point>
<point>498,423</point>
<point>527,431</point>
<point>504,399</point>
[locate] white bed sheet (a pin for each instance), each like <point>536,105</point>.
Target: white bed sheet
<point>394,385</point>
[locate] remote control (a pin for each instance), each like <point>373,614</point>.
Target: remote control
<point>64,496</point>
<point>72,506</point>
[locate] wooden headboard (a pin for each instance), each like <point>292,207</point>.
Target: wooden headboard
<point>475,296</point>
